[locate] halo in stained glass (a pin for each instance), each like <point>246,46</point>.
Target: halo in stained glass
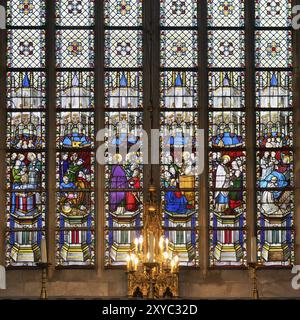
<point>227,173</point>
<point>226,13</point>
<point>275,170</point>
<point>274,129</point>
<point>179,183</point>
<point>227,129</point>
<point>75,130</point>
<point>75,170</point>
<point>124,131</point>
<point>25,130</point>
<point>25,171</point>
<point>123,13</point>
<point>123,90</point>
<point>178,132</point>
<point>75,49</point>
<point>178,13</point>
<point>74,13</point>
<point>25,138</point>
<point>123,126</point>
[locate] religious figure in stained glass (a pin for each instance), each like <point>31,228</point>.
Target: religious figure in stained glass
<point>26,134</point>
<point>75,133</point>
<point>123,121</point>
<point>227,133</point>
<point>123,85</point>
<point>274,123</point>
<point>25,130</point>
<point>178,127</point>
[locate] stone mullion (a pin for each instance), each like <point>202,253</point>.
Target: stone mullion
<point>51,134</point>
<point>250,123</point>
<point>296,113</point>
<point>203,124</point>
<point>99,124</point>
<point>3,119</point>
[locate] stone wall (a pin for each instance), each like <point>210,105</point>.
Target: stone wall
<point>213,284</point>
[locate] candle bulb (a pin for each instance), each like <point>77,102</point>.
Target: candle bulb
<point>161,244</point>
<point>167,244</point>
<point>132,257</point>
<point>253,250</point>
<point>44,251</point>
<point>141,240</point>
<point>128,262</point>
<point>136,262</point>
<point>136,242</point>
<point>172,265</point>
<point>166,255</point>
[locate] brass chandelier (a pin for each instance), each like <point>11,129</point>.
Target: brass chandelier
<point>152,269</point>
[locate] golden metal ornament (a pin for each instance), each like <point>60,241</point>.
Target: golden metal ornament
<point>152,270</point>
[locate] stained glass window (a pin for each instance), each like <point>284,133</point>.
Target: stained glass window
<point>227,132</point>
<point>178,125</point>
<point>26,132</point>
<point>179,115</point>
<point>123,122</point>
<point>274,127</point>
<point>75,134</point>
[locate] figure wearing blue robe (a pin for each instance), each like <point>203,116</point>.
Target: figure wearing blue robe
<point>281,182</point>
<point>228,140</point>
<point>176,204</point>
<point>69,185</point>
<point>123,138</point>
<point>76,138</point>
